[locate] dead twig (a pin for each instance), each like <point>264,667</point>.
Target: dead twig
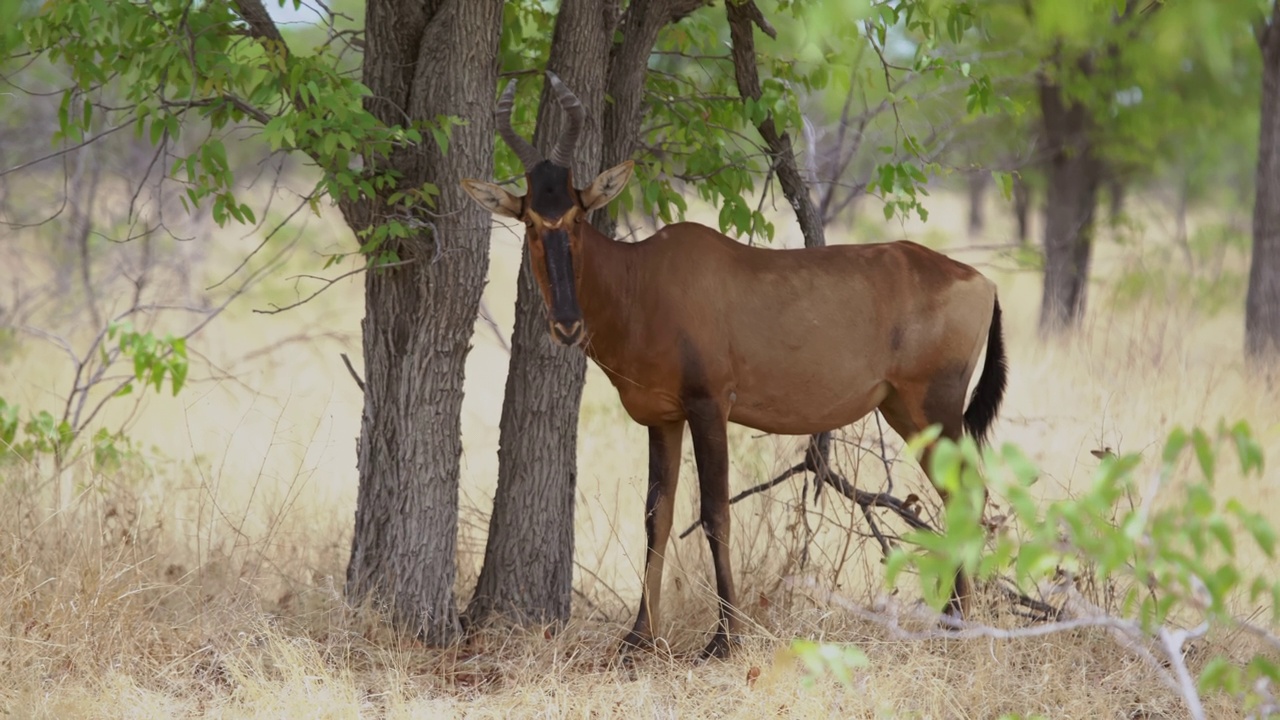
<point>1131,634</point>
<point>351,369</point>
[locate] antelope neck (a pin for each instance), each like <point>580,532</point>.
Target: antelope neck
<point>605,291</point>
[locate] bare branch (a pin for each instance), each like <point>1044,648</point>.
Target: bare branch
<point>815,461</point>
<point>65,150</point>
<point>328,283</point>
<point>351,369</point>
<point>493,325</point>
<point>960,630</point>
<point>1172,641</point>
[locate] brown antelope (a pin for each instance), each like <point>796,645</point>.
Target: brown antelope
<point>693,327</point>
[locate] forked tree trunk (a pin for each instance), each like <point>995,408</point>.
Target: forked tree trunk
<point>528,557</point>
<point>422,60</point>
<point>1071,197</point>
<point>528,567</point>
<point>1262,301</point>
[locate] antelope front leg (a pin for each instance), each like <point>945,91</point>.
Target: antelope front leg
<point>708,424</point>
<point>664,474</point>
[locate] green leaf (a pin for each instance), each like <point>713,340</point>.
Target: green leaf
<point>1173,445</point>
<point>1204,453</point>
<point>1219,674</point>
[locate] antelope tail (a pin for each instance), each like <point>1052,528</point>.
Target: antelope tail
<point>985,401</point>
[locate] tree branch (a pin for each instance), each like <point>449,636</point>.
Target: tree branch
<point>815,461</point>
<point>64,151</point>
<point>742,17</point>
<point>351,369</point>
<point>261,26</point>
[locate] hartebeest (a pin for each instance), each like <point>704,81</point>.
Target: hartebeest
<point>693,327</point>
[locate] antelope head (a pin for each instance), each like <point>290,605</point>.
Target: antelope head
<point>554,212</point>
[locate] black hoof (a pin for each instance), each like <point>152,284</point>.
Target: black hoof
<point>635,641</point>
<point>720,648</point>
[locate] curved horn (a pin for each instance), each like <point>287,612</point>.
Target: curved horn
<point>562,155</point>
<point>528,154</point>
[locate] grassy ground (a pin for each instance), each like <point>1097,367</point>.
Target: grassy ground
<point>204,578</point>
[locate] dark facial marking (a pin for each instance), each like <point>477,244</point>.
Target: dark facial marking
<point>895,338</point>
<point>549,194</point>
<point>566,316</point>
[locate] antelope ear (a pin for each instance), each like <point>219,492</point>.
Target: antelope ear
<point>493,198</point>
<point>607,185</point>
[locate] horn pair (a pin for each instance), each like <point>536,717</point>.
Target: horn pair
<point>529,156</point>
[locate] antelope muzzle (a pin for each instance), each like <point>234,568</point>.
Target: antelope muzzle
<point>566,316</point>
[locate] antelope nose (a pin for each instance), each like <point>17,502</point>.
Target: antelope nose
<point>569,335</point>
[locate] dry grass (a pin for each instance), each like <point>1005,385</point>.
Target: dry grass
<point>205,578</point>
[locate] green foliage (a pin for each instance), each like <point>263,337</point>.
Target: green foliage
<point>1165,539</point>
<point>172,67</point>
<point>41,434</point>
<point>153,358</point>
<point>820,659</point>
<point>44,435</point>
<point>700,136</point>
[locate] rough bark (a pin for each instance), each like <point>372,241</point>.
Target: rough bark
<point>528,569</point>
<point>628,66</point>
<point>422,59</point>
<point>1074,173</point>
<point>1262,301</point>
<point>528,558</point>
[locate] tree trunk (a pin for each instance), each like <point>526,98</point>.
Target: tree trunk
<point>1073,179</point>
<point>1116,198</point>
<point>1262,301</point>
<point>422,60</point>
<point>1021,206</point>
<point>528,567</point>
<point>527,574</point>
<point>1180,234</point>
<point>977,186</point>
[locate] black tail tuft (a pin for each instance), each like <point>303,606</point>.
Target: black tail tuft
<point>985,401</point>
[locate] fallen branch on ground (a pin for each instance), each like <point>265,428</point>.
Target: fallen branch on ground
<point>1126,632</point>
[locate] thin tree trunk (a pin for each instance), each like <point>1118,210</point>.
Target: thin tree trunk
<point>1021,206</point>
<point>978,182</point>
<point>1180,234</point>
<point>84,197</point>
<point>1073,178</point>
<point>528,559</point>
<point>1116,198</point>
<point>743,18</point>
<point>422,60</point>
<point>1262,301</point>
